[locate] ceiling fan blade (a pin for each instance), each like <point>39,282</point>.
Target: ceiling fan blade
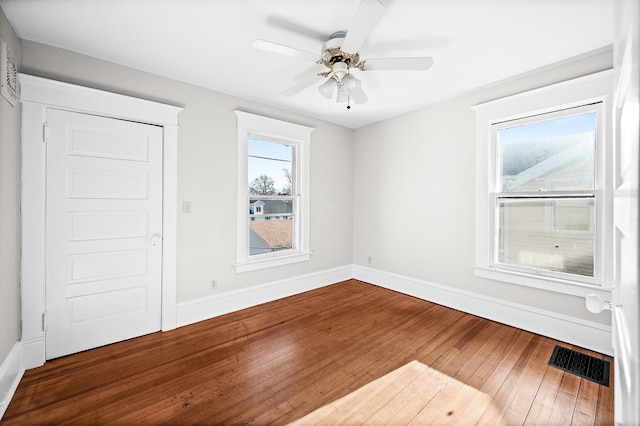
<point>281,49</point>
<point>366,18</point>
<point>295,27</point>
<point>312,70</point>
<point>300,86</point>
<point>417,64</point>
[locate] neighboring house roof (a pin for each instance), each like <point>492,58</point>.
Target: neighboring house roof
<point>271,206</point>
<point>277,234</point>
<point>257,244</point>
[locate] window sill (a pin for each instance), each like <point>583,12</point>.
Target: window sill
<point>544,283</point>
<point>270,262</point>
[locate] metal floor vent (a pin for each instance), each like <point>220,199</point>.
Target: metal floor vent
<point>585,366</point>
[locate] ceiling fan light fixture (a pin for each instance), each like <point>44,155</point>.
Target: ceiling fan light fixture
<point>326,89</point>
<point>350,88</point>
<point>357,93</point>
<point>340,69</point>
<point>350,82</point>
<point>343,94</point>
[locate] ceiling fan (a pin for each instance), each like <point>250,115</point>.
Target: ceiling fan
<point>340,57</point>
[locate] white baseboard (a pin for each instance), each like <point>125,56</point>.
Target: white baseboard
<point>33,351</point>
<point>169,317</point>
<point>11,371</point>
<point>220,304</point>
<point>575,331</point>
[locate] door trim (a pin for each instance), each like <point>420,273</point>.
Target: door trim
<point>39,94</point>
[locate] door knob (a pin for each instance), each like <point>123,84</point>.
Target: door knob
<point>155,239</point>
<point>595,304</point>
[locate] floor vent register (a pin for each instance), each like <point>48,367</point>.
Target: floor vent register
<point>585,366</point>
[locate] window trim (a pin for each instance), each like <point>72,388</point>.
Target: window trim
<point>568,94</point>
<point>253,126</point>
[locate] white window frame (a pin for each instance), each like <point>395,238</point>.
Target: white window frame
<point>253,126</point>
<point>569,94</point>
<point>548,196</point>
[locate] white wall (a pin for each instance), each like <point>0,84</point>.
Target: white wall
<point>414,200</point>
<point>9,209</point>
<point>207,172</point>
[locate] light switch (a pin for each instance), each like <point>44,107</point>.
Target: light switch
<point>186,207</point>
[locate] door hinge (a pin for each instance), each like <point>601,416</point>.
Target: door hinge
<point>44,321</point>
<point>45,132</point>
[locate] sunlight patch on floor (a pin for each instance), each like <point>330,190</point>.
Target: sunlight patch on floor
<point>411,394</point>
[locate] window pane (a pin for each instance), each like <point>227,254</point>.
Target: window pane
<point>271,225</point>
<point>550,155</point>
<point>270,166</point>
<point>553,235</point>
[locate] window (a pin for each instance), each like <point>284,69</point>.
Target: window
<point>273,192</point>
<point>542,199</point>
<point>273,197</point>
<point>545,197</point>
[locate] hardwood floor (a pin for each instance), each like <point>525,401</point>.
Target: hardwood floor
<point>350,353</point>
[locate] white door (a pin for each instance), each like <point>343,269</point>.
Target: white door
<point>103,231</point>
<point>626,314</point>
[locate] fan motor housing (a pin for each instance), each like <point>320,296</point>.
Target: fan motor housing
<point>332,52</point>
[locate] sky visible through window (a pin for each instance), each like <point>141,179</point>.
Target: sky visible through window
<point>563,126</point>
<point>548,144</point>
<point>269,158</point>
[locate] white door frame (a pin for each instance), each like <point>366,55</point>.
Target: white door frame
<point>39,94</point>
<point>625,306</point>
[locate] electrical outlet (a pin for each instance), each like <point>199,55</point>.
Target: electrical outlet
<point>214,283</point>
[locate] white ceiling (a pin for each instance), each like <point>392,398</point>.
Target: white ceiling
<point>474,43</point>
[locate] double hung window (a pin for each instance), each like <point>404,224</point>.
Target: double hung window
<point>273,196</point>
<point>545,199</point>
<point>273,192</point>
<point>542,200</point>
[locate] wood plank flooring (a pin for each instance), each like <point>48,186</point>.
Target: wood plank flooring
<point>350,353</point>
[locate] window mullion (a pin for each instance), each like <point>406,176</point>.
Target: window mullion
<point>545,195</point>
